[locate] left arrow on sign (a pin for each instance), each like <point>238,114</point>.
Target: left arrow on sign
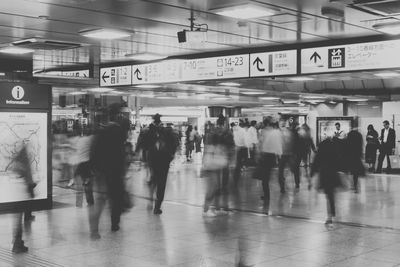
<point>104,76</point>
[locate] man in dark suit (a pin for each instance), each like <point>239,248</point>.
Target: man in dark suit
<point>388,141</point>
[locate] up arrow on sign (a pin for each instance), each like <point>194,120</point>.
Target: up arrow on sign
<point>259,62</point>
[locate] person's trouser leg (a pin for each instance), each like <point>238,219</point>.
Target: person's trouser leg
<point>295,167</point>
<point>330,196</point>
<point>18,228</point>
<point>281,171</point>
<point>161,180</point>
<point>381,157</point>
<point>389,167</point>
<point>355,181</point>
<point>211,188</point>
<point>95,211</point>
<point>240,157</point>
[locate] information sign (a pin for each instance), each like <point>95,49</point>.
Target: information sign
<point>273,63</point>
<point>351,57</point>
<point>116,76</point>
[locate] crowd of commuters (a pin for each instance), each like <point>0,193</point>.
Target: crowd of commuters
<point>102,160</point>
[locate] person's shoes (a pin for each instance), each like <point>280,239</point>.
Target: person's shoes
<point>283,191</point>
<point>71,183</point>
<point>378,172</point>
<point>19,247</point>
<point>266,212</point>
<point>115,228</point>
<point>356,190</point>
<point>95,236</point>
<point>329,221</point>
<point>209,214</point>
<point>157,211</point>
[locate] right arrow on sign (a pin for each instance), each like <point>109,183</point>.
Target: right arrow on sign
<point>138,74</point>
<point>259,62</point>
<point>104,76</point>
<point>315,56</point>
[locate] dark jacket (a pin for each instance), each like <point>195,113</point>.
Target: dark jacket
<point>391,140</point>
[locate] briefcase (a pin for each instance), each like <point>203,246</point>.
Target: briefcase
<point>394,161</point>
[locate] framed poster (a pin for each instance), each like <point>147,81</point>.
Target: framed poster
<point>326,126</point>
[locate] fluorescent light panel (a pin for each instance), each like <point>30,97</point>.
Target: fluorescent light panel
<point>268,98</point>
<point>252,93</point>
<point>389,28</point>
<point>16,50</point>
<point>245,11</point>
<point>229,84</point>
<point>301,79</point>
<point>101,90</point>
<point>357,100</point>
<point>387,74</point>
<point>148,86</point>
<point>106,34</point>
<point>145,56</point>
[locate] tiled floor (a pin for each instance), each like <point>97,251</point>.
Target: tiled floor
<point>368,232</point>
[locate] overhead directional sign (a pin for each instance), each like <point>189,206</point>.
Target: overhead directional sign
<point>236,66</point>
<point>116,76</point>
<point>273,63</point>
<point>351,57</point>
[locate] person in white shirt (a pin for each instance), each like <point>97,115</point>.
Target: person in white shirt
<point>239,137</point>
<point>252,136</point>
<point>269,148</point>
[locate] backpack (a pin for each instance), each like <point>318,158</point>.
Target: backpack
<point>160,142</point>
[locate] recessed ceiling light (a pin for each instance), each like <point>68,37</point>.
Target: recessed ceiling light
<point>268,106</point>
<point>268,98</point>
<point>245,11</point>
<point>387,74</point>
<point>392,28</point>
<point>357,99</point>
<point>107,34</point>
<point>252,93</point>
<point>229,84</point>
<point>77,93</point>
<point>165,97</point>
<point>148,86</point>
<point>16,50</point>
<point>290,101</point>
<point>301,79</point>
<point>101,90</point>
<point>145,56</point>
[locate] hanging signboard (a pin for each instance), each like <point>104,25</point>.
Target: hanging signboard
<point>351,57</point>
<point>236,66</point>
<point>273,63</point>
<point>116,76</point>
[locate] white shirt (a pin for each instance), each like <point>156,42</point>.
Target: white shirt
<point>239,136</point>
<point>252,135</point>
<point>385,135</point>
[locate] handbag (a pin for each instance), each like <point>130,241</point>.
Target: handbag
<point>394,161</point>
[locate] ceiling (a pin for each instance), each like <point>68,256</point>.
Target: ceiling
<point>155,24</point>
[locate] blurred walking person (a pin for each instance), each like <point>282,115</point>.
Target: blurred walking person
<point>371,147</point>
<point>22,168</point>
<point>353,155</point>
<point>290,140</point>
<point>189,143</point>
<point>326,163</point>
<point>161,143</point>
<point>84,170</point>
<point>305,146</point>
<point>218,146</point>
<point>241,150</point>
<point>109,163</point>
<point>270,146</point>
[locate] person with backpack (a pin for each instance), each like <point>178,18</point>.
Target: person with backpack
<point>160,143</point>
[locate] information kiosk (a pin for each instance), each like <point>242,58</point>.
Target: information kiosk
<point>25,120</point>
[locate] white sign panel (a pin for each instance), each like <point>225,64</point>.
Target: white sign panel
<point>19,129</point>
<point>236,66</point>
<point>116,76</point>
<point>363,56</point>
<point>273,63</point>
